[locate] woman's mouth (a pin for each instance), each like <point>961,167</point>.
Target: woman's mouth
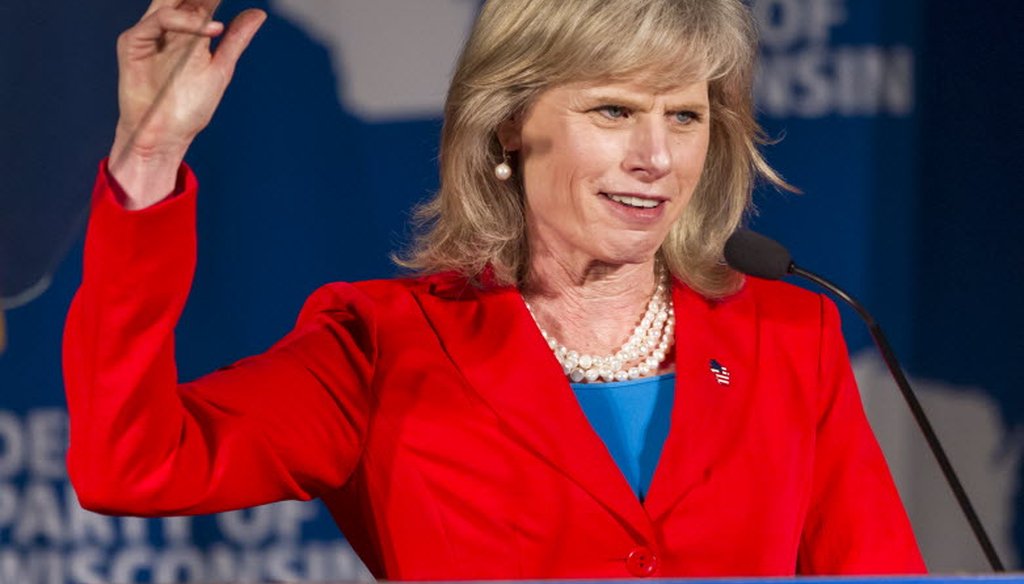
<point>635,209</point>
<point>633,201</point>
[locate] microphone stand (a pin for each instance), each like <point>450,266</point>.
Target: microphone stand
<point>915,408</point>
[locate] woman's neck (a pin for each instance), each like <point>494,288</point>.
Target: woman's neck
<point>588,306</point>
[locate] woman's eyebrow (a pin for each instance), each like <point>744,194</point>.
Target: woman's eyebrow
<point>690,106</point>
<point>642,103</point>
<point>621,98</point>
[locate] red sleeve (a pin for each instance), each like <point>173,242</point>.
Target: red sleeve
<point>856,523</point>
<point>284,424</point>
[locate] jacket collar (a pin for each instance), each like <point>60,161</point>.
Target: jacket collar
<point>491,337</point>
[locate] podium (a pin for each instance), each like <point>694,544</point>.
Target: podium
<point>1011,578</point>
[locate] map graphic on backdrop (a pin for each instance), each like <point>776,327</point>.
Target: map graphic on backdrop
<point>392,58</point>
<point>824,62</point>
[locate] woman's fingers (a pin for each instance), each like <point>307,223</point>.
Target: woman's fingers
<point>237,38</point>
<point>202,7</point>
<point>165,20</point>
<point>158,4</point>
<point>205,7</point>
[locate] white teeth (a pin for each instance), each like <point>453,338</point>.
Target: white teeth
<point>634,201</point>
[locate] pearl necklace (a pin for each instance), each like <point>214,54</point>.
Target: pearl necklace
<point>641,355</point>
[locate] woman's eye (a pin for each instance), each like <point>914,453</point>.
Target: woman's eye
<point>686,117</point>
<point>614,112</point>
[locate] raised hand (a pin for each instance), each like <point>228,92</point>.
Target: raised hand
<point>170,83</point>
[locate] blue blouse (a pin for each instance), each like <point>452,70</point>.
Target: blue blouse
<point>632,418</point>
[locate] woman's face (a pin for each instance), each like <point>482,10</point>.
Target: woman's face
<point>607,168</point>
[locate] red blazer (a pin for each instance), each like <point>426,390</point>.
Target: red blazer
<point>433,420</point>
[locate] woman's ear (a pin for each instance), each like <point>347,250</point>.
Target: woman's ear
<point>510,135</point>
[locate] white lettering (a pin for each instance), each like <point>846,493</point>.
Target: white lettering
<point>281,563</point>
<point>40,516</point>
<point>334,561</point>
<point>290,517</point>
<point>40,442</point>
<point>85,527</point>
<point>179,565</point>
<point>226,565</point>
<point>84,567</point>
<point>898,89</point>
<point>134,530</point>
<point>858,78</point>
<point>53,540</point>
<point>177,530</point>
<point>131,564</point>
<point>48,443</point>
<point>779,20</point>
<point>822,17</point>
<point>318,561</point>
<point>787,23</point>
<point>8,505</point>
<point>849,81</point>
<point>810,76</point>
<point>247,527</point>
<point>39,567</point>
<point>772,86</point>
<point>12,448</point>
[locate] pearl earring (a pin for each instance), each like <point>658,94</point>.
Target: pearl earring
<point>503,171</point>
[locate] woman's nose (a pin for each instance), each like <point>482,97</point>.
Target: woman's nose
<point>649,156</point>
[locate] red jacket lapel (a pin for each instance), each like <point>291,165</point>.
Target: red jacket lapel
<point>708,411</point>
<point>492,339</point>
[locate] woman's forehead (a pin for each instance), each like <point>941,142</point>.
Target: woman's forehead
<point>638,86</point>
<point>660,72</point>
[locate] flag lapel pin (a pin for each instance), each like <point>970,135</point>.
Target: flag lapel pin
<point>721,372</point>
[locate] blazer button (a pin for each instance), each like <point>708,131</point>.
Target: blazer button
<point>641,562</point>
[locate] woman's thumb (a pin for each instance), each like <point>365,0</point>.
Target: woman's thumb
<point>238,36</point>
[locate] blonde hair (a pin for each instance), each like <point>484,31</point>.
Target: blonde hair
<point>519,48</point>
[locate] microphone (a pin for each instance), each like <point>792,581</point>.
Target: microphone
<point>755,255</point>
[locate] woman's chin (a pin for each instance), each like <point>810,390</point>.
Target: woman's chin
<point>629,255</point>
<point>631,250</point>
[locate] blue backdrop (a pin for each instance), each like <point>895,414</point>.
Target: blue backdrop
<point>896,121</point>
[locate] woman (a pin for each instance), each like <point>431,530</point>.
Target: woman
<point>595,156</point>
